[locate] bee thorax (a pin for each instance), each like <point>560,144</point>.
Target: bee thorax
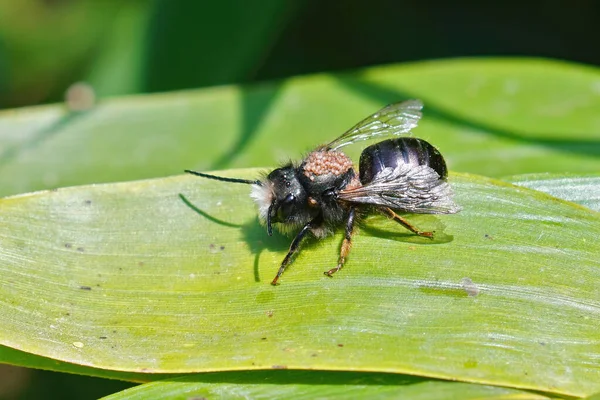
<point>353,184</point>
<point>326,162</point>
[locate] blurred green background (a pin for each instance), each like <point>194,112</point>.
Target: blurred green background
<point>125,47</point>
<point>140,46</point>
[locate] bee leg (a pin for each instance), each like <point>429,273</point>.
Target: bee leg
<point>293,249</point>
<point>346,244</point>
<point>390,213</point>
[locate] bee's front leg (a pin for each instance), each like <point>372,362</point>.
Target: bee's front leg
<point>294,247</point>
<point>346,244</point>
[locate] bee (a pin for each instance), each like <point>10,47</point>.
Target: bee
<point>324,191</point>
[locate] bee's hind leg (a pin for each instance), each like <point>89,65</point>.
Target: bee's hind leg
<point>346,244</point>
<point>390,213</point>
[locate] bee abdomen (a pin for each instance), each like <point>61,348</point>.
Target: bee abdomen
<point>393,152</point>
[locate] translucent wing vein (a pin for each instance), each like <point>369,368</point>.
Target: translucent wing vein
<point>393,120</point>
<point>410,189</point>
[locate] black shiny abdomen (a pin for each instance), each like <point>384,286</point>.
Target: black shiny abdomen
<point>392,152</point>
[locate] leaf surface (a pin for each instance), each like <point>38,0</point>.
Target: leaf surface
<point>580,189</point>
<point>171,276</point>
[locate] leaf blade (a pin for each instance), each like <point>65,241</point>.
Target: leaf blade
<point>311,385</point>
<point>159,135</point>
<point>580,189</point>
<point>112,272</point>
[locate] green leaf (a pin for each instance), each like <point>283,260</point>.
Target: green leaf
<point>119,66</point>
<point>196,44</point>
<point>580,189</point>
<point>495,117</point>
<point>171,276</point>
<point>316,385</point>
<point>19,358</point>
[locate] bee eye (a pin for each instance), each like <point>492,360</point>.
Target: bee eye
<point>287,207</point>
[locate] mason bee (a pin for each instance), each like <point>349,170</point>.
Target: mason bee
<point>324,191</point>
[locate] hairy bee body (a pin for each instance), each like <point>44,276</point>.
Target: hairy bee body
<point>325,192</point>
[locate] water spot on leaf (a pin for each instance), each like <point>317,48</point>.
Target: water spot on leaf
<point>266,296</point>
<point>470,288</point>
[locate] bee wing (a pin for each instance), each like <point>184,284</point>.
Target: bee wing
<point>393,120</point>
<point>416,190</point>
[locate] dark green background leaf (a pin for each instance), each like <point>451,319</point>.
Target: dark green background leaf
<point>494,117</point>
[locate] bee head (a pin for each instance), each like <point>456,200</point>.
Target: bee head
<point>281,197</point>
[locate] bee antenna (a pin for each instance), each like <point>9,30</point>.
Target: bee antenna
<point>223,179</point>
